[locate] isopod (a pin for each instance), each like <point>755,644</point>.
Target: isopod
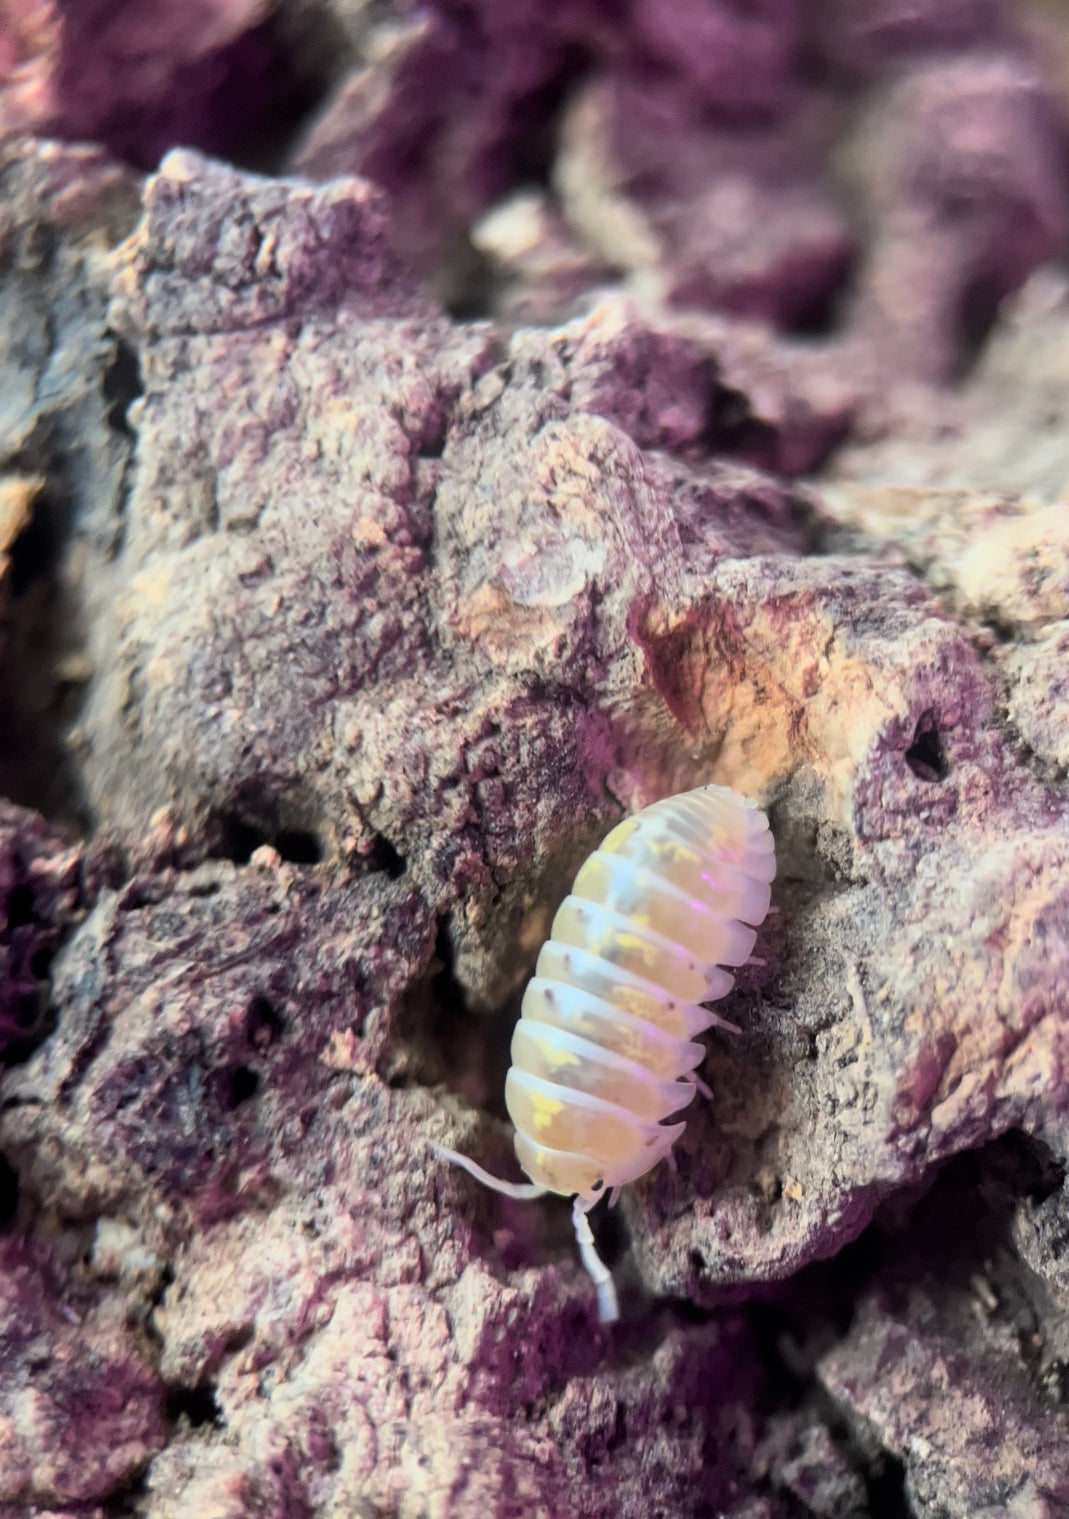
<point>605,1048</point>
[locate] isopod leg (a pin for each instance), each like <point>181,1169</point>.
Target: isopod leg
<point>599,1273</point>
<point>703,1087</point>
<point>715,1020</point>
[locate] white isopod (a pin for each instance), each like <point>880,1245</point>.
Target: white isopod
<point>605,1049</point>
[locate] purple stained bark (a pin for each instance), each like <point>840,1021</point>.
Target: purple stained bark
<point>339,625</point>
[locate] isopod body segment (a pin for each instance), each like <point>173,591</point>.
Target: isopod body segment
<point>605,1048</point>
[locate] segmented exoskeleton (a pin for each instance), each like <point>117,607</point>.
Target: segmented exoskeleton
<point>605,1049</point>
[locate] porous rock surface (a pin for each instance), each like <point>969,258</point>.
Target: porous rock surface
<point>379,619</point>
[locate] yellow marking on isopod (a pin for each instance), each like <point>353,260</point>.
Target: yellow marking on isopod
<point>544,1108</point>
<point>620,834</point>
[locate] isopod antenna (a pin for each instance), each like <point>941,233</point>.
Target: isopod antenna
<point>599,1273</point>
<point>525,1191</point>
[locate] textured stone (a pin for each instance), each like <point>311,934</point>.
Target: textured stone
<point>969,490</point>
<point>540,271</point>
<point>960,166</point>
<point>441,1408</point>
<point>741,187</point>
<point>80,1414</point>
<point>139,80</point>
<point>445,109</point>
<point>382,618</point>
<point>705,217</point>
<point>326,1304</point>
<point>64,446</point>
<point>168,1103</point>
<point>838,687</point>
<point>953,1361</point>
<point>975,1449</point>
<point>802,1459</point>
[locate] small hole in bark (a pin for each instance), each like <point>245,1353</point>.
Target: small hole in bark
<point>166,1279</point>
<point>40,689</point>
<point>1038,1172</point>
<point>432,444</point>
<point>618,1437</point>
<point>299,847</point>
<point>34,551</point>
<point>464,284</point>
<point>925,755</point>
<point>822,316</point>
<point>298,57</point>
<point>122,385</point>
<point>197,1404</point>
<point>240,839</point>
<point>385,857</point>
<point>25,1020</point>
<point>445,1039</point>
<point>9,1193</point>
<point>242,1082</point>
<point>733,429</point>
<point>263,1022</point>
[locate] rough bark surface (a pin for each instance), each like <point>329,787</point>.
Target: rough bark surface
<point>337,628</point>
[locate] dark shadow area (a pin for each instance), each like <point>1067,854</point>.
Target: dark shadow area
<point>240,1083</point>
<point>264,1024</point>
<point>122,386</point>
<point>734,432</point>
<point>245,99</point>
<point>464,283</point>
<point>386,857</point>
<point>308,52</point>
<point>885,1480</point>
<point>28,943</point>
<point>978,309</point>
<point>925,755</point>
<point>940,1234</point>
<point>9,1194</point>
<point>826,315</point>
<point>197,1405</point>
<point>43,673</point>
<point>950,1242</point>
<point>446,1040</point>
<point>235,836</point>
